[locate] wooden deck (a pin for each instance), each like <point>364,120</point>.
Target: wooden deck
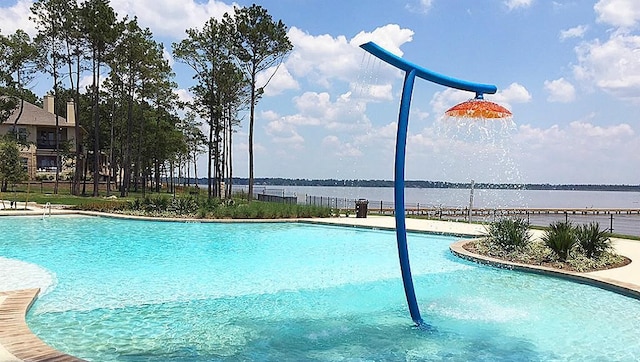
<point>17,342</point>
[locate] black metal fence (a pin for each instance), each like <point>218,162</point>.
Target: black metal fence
<point>624,222</point>
<point>290,200</point>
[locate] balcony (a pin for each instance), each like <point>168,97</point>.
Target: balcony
<point>47,144</point>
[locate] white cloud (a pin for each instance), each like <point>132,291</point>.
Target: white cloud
<point>184,95</point>
<point>339,148</point>
<point>390,37</point>
<point>613,65</point>
<point>166,55</point>
<point>423,6</point>
<point>619,13</point>
<point>515,4</point>
<point>171,18</point>
<point>560,90</point>
<point>17,17</point>
<point>87,81</point>
<point>443,100</point>
<point>283,132</point>
<point>322,59</point>
<point>279,82</point>
<point>582,147</point>
<point>514,93</point>
<point>164,17</point>
<point>575,32</point>
<point>317,109</point>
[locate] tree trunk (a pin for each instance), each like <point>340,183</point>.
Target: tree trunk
<point>209,190</point>
<point>77,174</point>
<point>251,119</point>
<point>96,122</point>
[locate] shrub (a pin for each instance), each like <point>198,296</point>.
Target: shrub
<point>183,206</point>
<point>593,241</point>
<point>102,206</point>
<point>509,234</point>
<point>560,238</point>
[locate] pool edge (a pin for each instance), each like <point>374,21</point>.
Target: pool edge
<point>626,289</point>
<point>16,338</point>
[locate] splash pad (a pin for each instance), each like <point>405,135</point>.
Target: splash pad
<point>476,108</point>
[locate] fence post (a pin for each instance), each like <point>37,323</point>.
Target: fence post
<point>566,217</point>
<point>611,224</point>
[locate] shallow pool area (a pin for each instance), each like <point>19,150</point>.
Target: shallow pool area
<point>126,290</point>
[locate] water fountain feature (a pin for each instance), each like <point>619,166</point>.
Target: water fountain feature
<point>477,108</point>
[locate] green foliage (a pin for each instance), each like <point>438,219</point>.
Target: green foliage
<point>593,241</point>
<point>183,206</point>
<point>103,206</point>
<point>11,170</point>
<point>237,208</point>
<point>258,43</point>
<point>509,234</point>
<point>561,239</point>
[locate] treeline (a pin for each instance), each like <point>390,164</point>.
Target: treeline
<point>430,184</point>
<point>130,119</point>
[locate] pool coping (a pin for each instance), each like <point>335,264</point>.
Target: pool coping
<point>18,342</point>
<point>616,286</point>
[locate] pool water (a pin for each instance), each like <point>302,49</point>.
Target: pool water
<point>123,290</point>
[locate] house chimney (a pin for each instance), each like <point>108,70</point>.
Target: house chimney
<point>48,104</point>
<point>71,114</point>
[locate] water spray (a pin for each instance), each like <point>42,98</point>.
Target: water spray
<point>476,108</point>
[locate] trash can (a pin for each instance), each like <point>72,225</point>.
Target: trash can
<point>361,208</point>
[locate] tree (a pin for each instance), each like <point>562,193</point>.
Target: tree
<point>126,69</point>
<point>50,16</point>
<point>194,139</point>
<point>18,57</point>
<point>259,43</point>
<point>206,51</point>
<point>11,170</point>
<point>99,25</point>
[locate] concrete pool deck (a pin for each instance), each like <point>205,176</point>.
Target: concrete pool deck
<point>17,343</point>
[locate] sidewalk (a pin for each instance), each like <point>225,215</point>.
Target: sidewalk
<point>628,275</point>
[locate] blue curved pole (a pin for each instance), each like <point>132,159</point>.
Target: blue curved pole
<point>412,71</point>
<point>398,192</point>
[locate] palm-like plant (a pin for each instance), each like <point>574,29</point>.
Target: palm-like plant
<point>509,234</point>
<point>592,240</point>
<point>560,238</point>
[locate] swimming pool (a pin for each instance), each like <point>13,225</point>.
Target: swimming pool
<point>155,291</point>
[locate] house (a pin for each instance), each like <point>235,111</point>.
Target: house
<point>37,128</point>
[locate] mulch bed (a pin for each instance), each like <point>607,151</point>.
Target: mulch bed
<point>556,264</point>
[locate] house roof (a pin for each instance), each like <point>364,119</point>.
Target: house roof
<point>33,115</point>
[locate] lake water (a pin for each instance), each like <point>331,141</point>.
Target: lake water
<point>460,197</point>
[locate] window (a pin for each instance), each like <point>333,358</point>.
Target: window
<point>22,134</point>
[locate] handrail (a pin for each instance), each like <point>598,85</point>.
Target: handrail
<point>47,206</point>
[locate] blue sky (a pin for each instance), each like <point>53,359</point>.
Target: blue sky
<point>568,70</point>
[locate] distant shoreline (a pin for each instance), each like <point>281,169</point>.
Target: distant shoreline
<point>427,184</point>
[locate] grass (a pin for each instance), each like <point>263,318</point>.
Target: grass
<point>186,204</point>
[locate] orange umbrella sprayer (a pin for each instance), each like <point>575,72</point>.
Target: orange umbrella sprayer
<point>478,109</point>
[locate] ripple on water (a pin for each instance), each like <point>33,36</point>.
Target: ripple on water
<point>17,274</point>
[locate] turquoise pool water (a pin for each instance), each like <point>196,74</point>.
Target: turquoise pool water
<point>121,290</point>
